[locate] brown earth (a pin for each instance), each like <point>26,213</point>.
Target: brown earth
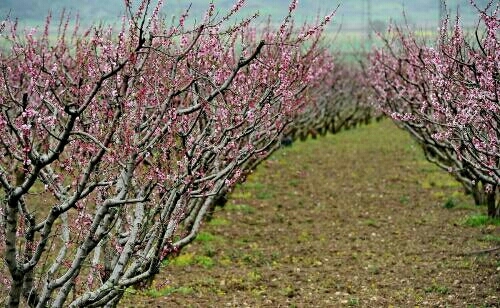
<point>355,219</point>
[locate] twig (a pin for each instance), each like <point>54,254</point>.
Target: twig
<point>479,252</point>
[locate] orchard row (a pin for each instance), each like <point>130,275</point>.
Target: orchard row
<point>116,144</point>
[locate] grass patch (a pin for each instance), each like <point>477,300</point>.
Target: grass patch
<point>371,223</point>
<point>209,250</point>
<point>478,220</point>
<point>240,194</point>
<point>373,269</point>
<point>304,237</point>
<point>168,291</point>
<point>264,195</point>
<point>450,203</point>
<point>288,292</point>
<point>204,261</point>
<point>254,276</point>
<point>183,260</point>
<point>491,238</point>
<point>443,290</point>
<point>218,221</point>
<point>466,206</point>
<point>206,237</point>
<point>439,179</point>
<point>244,208</point>
<point>254,185</point>
<point>189,259</point>
<point>353,302</point>
<point>404,200</point>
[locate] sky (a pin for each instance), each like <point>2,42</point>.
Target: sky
<point>352,15</point>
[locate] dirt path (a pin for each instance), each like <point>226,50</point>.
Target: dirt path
<point>355,219</point>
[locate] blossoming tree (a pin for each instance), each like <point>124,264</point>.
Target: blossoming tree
<point>115,143</point>
<point>447,97</point>
<point>339,101</point>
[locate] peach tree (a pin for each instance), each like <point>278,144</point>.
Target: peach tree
<point>447,96</point>
<point>115,142</point>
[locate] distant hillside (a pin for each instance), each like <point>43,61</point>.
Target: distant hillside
<point>351,16</point>
<point>352,13</point>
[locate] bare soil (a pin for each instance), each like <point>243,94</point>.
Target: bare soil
<point>355,219</point>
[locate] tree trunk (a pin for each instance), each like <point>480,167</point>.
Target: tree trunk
<point>478,194</point>
<point>493,209</point>
<point>10,253</point>
<point>15,291</point>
